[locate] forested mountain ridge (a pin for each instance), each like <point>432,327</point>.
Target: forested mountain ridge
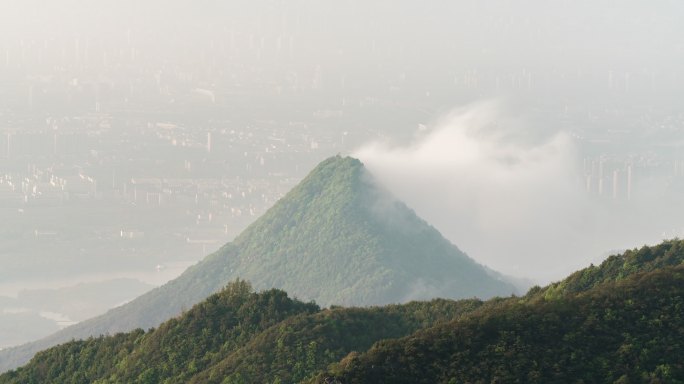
<point>614,268</point>
<point>623,327</point>
<point>298,347</point>
<point>336,238</point>
<point>626,331</point>
<point>235,336</point>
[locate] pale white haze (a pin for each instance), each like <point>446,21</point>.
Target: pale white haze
<point>139,136</point>
<point>516,201</point>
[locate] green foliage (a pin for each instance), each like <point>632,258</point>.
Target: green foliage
<point>608,327</point>
<point>625,331</point>
<point>176,350</point>
<point>298,347</point>
<point>614,268</point>
<point>235,336</point>
<point>338,238</point>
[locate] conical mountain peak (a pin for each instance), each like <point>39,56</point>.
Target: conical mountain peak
<point>334,187</point>
<point>339,238</point>
<point>336,238</point>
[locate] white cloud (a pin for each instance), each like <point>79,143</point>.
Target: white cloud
<point>510,199</point>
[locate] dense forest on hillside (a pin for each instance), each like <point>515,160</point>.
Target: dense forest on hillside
<point>239,335</point>
<point>622,332</point>
<point>621,321</point>
<point>339,238</point>
<point>615,267</point>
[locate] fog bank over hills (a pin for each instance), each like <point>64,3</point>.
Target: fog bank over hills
<point>515,195</point>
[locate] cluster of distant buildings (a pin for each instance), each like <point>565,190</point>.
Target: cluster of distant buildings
<point>624,178</point>
<point>609,179</point>
<point>222,173</point>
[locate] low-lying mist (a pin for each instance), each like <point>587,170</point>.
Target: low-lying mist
<point>512,194</point>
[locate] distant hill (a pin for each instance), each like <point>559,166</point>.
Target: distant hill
<point>235,336</point>
<point>617,322</point>
<point>614,268</point>
<point>621,328</point>
<point>629,331</point>
<point>336,238</point>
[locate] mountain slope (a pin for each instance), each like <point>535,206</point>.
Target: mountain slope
<point>352,243</point>
<point>624,329</point>
<point>614,268</point>
<point>619,332</point>
<point>298,347</point>
<point>336,238</point>
<point>235,334</point>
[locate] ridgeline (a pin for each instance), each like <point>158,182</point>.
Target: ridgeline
<point>620,322</point>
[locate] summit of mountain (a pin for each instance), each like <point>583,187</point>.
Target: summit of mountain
<point>340,238</point>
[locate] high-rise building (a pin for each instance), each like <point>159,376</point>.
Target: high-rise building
<point>30,96</point>
<point>629,182</point>
<point>600,175</point>
<point>588,183</point>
